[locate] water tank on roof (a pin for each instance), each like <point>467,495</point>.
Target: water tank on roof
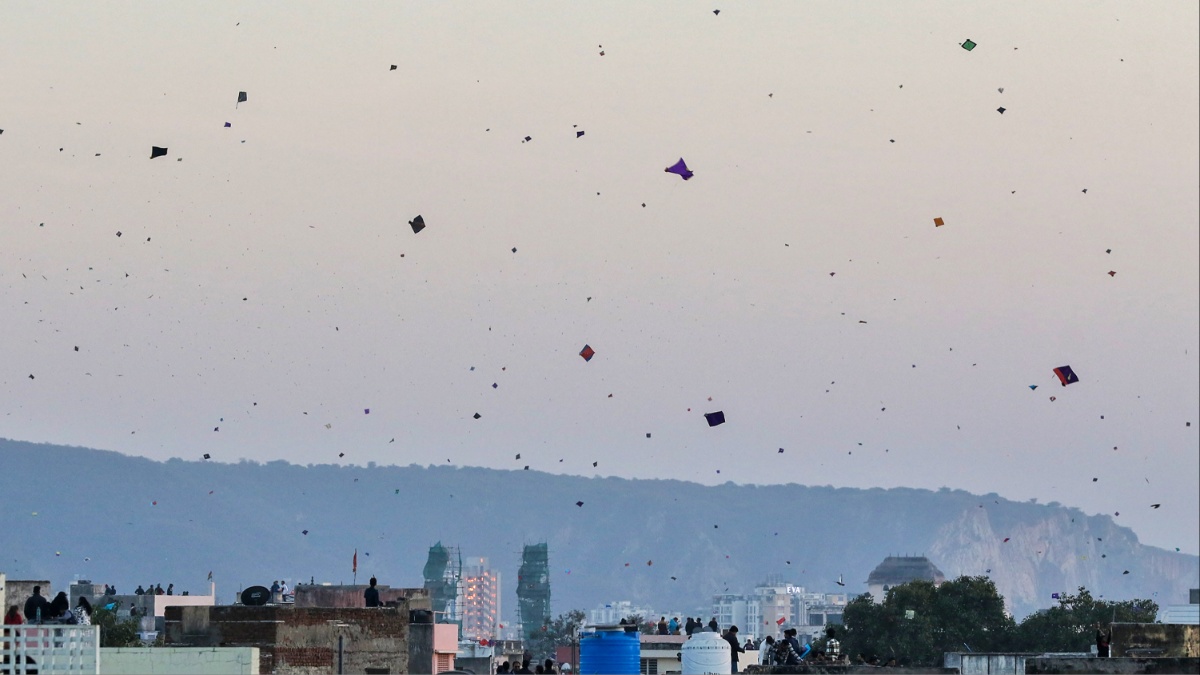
<point>609,649</point>
<point>706,652</point>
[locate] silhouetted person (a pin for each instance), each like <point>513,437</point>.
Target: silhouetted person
<point>766,648</point>
<point>60,608</point>
<point>712,625</point>
<point>689,626</point>
<point>13,616</point>
<point>170,589</point>
<point>140,590</point>
<point>732,638</point>
<point>662,625</point>
<point>1103,640</point>
<point>83,612</point>
<point>371,595</point>
<point>37,608</point>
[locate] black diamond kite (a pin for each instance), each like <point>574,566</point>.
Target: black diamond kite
<point>715,418</point>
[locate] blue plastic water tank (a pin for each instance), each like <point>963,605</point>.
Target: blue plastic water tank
<point>609,650</point>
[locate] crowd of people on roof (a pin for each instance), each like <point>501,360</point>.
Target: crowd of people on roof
<point>154,589</point>
<point>39,610</point>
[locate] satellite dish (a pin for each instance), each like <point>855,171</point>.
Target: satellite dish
<point>256,595</point>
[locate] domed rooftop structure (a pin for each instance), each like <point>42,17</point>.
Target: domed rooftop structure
<point>896,570</point>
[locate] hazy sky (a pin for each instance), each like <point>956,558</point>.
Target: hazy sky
<point>265,281</point>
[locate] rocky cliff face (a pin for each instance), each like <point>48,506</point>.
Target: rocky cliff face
<point>668,545</point>
<point>1060,550</point>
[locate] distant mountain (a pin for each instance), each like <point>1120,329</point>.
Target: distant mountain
<point>76,512</point>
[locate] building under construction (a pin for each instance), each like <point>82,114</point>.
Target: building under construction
<point>443,579</point>
<point>533,590</point>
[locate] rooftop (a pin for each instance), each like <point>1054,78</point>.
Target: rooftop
<point>902,569</point>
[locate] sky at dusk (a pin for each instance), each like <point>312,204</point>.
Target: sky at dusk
<point>256,291</point>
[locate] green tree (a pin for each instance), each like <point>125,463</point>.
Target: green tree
<point>560,632</point>
<point>113,631</point>
<point>918,621</point>
<point>644,626</point>
<point>1071,626</point>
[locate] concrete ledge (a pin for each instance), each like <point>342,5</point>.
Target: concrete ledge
<point>179,660</point>
<point>832,669</point>
<point>1122,666</point>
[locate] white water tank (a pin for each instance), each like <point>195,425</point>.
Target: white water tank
<point>705,653</point>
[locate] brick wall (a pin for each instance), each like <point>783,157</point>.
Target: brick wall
<point>352,596</point>
<point>299,640</point>
<point>1174,640</point>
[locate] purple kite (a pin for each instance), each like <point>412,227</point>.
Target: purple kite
<point>680,169</point>
<point>1066,375</point>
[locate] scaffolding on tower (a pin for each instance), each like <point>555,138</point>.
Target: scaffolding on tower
<point>443,579</point>
<point>533,590</point>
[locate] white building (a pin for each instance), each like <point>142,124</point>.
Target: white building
<point>613,612</point>
<point>775,605</point>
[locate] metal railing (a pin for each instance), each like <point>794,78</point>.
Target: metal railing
<point>49,649</point>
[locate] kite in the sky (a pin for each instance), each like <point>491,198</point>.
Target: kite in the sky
<point>680,169</point>
<point>1112,273</point>
<point>938,222</point>
<point>1033,386</point>
<point>968,45</point>
<point>156,151</point>
<point>241,98</point>
<point>206,455</point>
<point>392,68</point>
<point>715,418</point>
<point>1066,375</point>
<point>227,125</point>
<point>1001,110</point>
<point>587,352</point>
<point>417,223</point>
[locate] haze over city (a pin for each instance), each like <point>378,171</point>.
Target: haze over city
<point>258,292</point>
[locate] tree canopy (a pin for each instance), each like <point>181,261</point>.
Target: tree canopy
<point>918,622</point>
<point>1071,626</point>
<point>558,632</point>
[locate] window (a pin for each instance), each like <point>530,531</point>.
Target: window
<point>649,667</point>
